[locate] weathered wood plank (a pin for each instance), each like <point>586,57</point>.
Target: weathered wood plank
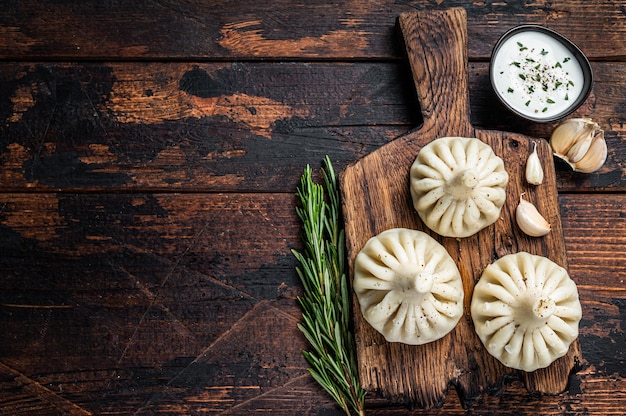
<point>190,126</point>
<point>20,395</point>
<point>595,225</point>
<point>589,395</point>
<point>99,291</point>
<point>356,29</point>
<point>243,126</point>
<point>141,300</point>
<point>128,303</point>
<point>234,237</point>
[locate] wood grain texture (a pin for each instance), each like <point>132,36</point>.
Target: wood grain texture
<point>149,154</point>
<point>23,396</point>
<point>238,127</point>
<point>376,197</point>
<point>151,291</point>
<point>67,315</point>
<point>240,30</point>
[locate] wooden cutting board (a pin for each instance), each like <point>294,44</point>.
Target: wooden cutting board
<point>376,197</point>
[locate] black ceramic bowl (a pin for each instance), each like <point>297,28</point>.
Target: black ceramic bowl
<point>536,78</point>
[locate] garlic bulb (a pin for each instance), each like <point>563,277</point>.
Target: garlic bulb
<point>580,142</point>
<point>534,171</point>
<point>530,220</point>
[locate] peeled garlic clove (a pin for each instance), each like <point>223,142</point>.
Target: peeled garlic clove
<point>534,171</point>
<point>579,142</point>
<point>530,220</point>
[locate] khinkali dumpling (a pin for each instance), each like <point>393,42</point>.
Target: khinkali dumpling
<point>458,186</point>
<point>526,311</point>
<point>408,286</point>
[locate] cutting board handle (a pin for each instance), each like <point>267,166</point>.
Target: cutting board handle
<point>436,46</point>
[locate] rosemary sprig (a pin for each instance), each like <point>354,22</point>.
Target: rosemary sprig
<point>326,299</point>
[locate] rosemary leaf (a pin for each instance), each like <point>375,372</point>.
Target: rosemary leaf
<point>325,301</point>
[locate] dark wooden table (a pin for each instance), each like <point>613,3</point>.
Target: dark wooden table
<point>149,155</point>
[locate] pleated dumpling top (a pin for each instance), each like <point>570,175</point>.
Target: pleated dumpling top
<point>458,186</point>
<point>408,286</point>
<point>526,311</point>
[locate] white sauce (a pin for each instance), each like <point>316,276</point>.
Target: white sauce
<point>536,74</point>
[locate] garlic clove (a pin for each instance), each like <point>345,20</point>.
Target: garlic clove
<point>530,220</point>
<point>565,134</point>
<point>579,142</point>
<point>583,132</point>
<point>580,148</point>
<point>594,158</point>
<point>534,171</point>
